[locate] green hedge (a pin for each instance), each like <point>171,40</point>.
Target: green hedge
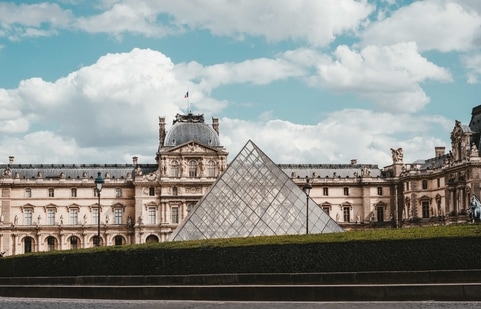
<point>330,256</point>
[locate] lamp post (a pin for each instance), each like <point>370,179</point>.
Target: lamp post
<point>99,182</point>
<point>307,189</point>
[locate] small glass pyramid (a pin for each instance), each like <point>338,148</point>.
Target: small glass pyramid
<point>253,197</point>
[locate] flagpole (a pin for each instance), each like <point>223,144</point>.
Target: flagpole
<point>186,96</point>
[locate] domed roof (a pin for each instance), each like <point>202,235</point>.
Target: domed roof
<point>191,128</point>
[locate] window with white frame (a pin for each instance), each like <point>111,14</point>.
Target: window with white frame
<point>51,192</point>
<point>118,192</point>
<point>118,216</point>
<point>51,216</point>
<point>95,216</point>
<point>211,168</point>
<point>151,214</point>
<point>175,214</point>
<point>28,216</point>
<point>192,168</point>
<point>73,192</point>
<point>28,192</point>
<point>174,168</point>
<point>73,216</point>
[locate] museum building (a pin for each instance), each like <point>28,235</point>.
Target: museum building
<point>55,206</point>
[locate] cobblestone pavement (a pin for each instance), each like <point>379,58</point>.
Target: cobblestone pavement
<point>44,303</point>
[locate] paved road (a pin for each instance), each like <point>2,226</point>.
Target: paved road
<point>37,303</point>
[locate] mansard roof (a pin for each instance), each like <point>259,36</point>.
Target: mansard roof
<point>72,171</point>
<point>191,128</point>
<point>330,170</point>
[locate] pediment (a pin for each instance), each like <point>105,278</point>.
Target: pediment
<point>191,147</point>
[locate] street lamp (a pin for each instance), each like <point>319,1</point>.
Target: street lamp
<point>99,182</point>
<point>307,189</point>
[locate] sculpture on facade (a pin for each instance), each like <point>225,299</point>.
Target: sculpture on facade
<point>475,209</point>
<point>397,155</point>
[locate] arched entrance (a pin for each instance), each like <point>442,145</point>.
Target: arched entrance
<point>28,244</point>
<point>51,243</point>
<point>151,239</point>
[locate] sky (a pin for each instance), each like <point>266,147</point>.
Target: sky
<point>308,81</point>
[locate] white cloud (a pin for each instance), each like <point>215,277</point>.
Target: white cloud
<point>390,76</point>
<point>112,105</point>
<point>367,137</point>
<point>107,111</point>
<point>441,25</point>
<point>32,20</point>
<point>316,22</point>
<point>473,65</point>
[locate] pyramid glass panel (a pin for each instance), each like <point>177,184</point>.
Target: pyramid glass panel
<point>253,197</point>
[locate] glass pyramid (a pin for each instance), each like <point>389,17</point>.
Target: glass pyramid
<point>253,197</point>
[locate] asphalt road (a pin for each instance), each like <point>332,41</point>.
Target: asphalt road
<point>44,303</point>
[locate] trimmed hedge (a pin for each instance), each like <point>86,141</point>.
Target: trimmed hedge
<point>344,256</point>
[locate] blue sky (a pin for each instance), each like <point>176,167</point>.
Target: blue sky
<point>308,81</point>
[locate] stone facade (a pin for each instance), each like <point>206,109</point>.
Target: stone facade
<point>55,206</point>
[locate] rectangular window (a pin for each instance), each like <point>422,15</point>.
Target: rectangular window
<point>73,192</point>
<point>118,216</point>
<point>151,191</point>
<point>175,214</point>
<point>51,216</point>
<point>152,218</point>
<point>51,192</point>
<point>439,182</point>
<point>425,206</point>
<point>28,193</point>
<point>325,191</point>
<point>379,190</point>
<point>95,216</point>
<point>326,209</point>
<point>346,191</point>
<point>347,214</point>
<point>96,193</point>
<point>28,216</point>
<point>73,216</point>
<point>118,192</point>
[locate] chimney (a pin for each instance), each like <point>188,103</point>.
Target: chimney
<point>135,160</point>
<point>10,159</point>
<point>353,161</point>
<point>215,124</point>
<point>439,151</point>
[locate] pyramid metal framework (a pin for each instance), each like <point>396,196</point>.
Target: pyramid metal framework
<point>253,197</point>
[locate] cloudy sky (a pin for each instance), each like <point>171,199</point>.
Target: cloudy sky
<point>308,81</point>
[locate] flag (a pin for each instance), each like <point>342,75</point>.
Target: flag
<point>186,95</point>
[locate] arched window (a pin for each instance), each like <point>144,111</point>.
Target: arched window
<point>174,168</point>
<point>425,184</point>
<point>192,168</point>
<point>51,243</point>
<point>74,242</point>
<point>28,244</point>
<point>211,172</point>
